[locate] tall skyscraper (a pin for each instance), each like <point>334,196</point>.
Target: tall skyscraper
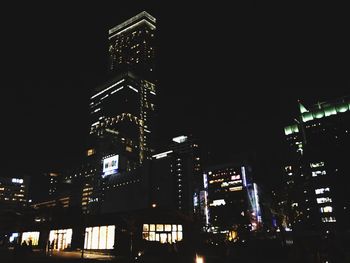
<point>123,109</point>
<point>317,168</point>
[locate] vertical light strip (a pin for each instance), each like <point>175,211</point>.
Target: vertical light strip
<point>244,176</point>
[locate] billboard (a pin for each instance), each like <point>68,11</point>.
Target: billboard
<point>110,165</point>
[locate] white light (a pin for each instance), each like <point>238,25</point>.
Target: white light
<point>218,202</point>
<point>114,91</point>
<point>161,155</point>
<point>115,84</point>
<point>133,26</point>
<point>244,176</point>
<point>152,92</point>
<point>17,181</point>
<point>133,88</point>
<point>98,109</point>
<point>95,123</point>
<point>180,139</point>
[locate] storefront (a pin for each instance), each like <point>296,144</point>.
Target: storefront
<point>61,239</point>
<point>163,233</point>
<point>30,238</point>
<point>99,237</point>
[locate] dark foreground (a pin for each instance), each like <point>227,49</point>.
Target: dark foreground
<point>262,252</point>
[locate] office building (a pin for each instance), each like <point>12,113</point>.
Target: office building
<point>123,108</point>
<point>13,193</point>
<point>317,168</point>
<point>176,176</point>
<point>231,199</point>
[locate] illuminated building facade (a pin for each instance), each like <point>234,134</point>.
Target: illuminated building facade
<point>122,110</point>
<point>132,46</point>
<point>122,116</point>
<point>231,199</point>
<point>317,167</point>
<point>176,176</point>
<point>13,193</point>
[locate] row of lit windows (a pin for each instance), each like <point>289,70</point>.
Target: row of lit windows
<point>162,233</point>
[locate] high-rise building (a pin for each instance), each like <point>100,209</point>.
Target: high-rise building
<point>132,46</point>
<point>13,193</point>
<point>176,176</point>
<point>123,109</point>
<point>231,199</point>
<point>317,167</point>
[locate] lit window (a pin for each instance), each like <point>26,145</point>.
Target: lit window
<point>322,190</point>
<point>99,237</point>
<point>317,173</point>
<point>329,219</point>
<point>326,209</point>
<point>316,165</point>
<point>322,200</point>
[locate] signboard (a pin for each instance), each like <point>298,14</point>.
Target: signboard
<point>110,165</point>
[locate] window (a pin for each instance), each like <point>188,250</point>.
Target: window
<point>329,219</point>
<point>322,200</point>
<point>31,236</point>
<point>99,237</point>
<point>322,190</point>
<point>61,239</point>
<point>326,209</point>
<point>164,233</point>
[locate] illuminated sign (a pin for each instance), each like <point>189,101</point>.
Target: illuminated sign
<point>110,165</point>
<point>17,181</point>
<point>180,139</point>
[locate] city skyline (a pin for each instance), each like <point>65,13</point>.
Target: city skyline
<point>231,109</point>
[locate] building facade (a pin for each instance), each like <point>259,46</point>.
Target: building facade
<point>176,176</point>
<point>231,199</point>
<point>317,167</point>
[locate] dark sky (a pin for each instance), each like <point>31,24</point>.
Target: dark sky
<point>231,76</point>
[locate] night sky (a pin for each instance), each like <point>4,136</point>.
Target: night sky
<point>229,76</point>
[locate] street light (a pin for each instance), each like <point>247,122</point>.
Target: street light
<point>199,259</point>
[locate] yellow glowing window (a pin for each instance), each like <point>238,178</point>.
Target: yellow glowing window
<point>90,152</point>
<point>145,227</point>
<point>168,228</point>
<point>31,237</point>
<point>160,227</point>
<point>100,237</point>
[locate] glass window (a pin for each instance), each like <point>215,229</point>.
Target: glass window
<point>160,228</point>
<point>99,237</point>
<point>145,227</point>
<point>168,228</point>
<point>152,227</point>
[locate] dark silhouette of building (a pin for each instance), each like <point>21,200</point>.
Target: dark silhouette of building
<point>317,168</point>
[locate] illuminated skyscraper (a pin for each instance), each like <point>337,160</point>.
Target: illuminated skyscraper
<point>317,169</point>
<point>122,109</point>
<point>132,46</point>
